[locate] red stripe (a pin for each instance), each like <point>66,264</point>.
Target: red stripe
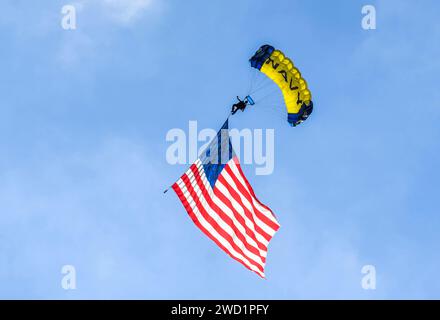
<point>237,164</point>
<point>249,197</point>
<point>237,191</point>
<point>215,225</point>
<point>229,204</point>
<point>185,203</point>
<point>225,217</point>
<point>229,221</point>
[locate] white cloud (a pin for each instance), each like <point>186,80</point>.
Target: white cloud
<point>87,208</point>
<point>74,48</point>
<point>126,11</point>
<point>94,18</point>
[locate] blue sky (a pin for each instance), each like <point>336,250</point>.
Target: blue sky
<point>84,115</point>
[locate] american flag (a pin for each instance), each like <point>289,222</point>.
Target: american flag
<point>223,205</point>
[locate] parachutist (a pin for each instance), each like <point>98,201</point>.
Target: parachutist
<point>240,105</point>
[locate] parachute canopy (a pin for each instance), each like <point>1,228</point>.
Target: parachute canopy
<point>280,69</point>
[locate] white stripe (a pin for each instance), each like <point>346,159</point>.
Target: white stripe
<point>260,208</point>
<point>215,234</point>
<point>225,227</point>
<point>228,211</point>
<point>230,214</point>
<point>222,189</point>
<point>224,207</point>
<point>268,229</point>
<point>222,224</point>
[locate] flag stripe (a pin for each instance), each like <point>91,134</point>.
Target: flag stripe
<point>233,193</point>
<point>238,173</point>
<point>241,239</point>
<point>223,205</point>
<point>218,225</point>
<point>223,245</point>
<point>224,195</point>
<point>261,218</point>
<point>233,219</point>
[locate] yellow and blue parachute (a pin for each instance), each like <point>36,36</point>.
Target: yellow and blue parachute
<point>281,70</point>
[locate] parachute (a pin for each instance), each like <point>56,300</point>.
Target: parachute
<point>281,70</point>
